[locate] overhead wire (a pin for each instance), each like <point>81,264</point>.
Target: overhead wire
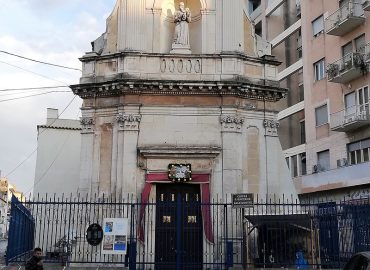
<point>31,154</point>
<point>39,61</point>
<point>35,73</point>
<point>61,148</point>
<point>32,88</point>
<point>34,95</point>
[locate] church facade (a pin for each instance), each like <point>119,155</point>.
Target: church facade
<point>149,102</point>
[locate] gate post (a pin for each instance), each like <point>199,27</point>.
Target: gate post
<point>178,233</point>
<point>132,249</point>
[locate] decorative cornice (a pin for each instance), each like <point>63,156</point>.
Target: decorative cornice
<point>245,90</point>
<point>271,127</point>
<point>231,123</point>
<point>207,151</point>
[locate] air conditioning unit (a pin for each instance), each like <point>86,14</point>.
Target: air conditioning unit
<point>343,162</point>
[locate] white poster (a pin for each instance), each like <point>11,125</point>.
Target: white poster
<point>115,236</point>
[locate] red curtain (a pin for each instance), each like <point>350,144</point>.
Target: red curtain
<point>144,201</point>
<point>202,179</point>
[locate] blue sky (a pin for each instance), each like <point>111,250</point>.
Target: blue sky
<point>57,31</point>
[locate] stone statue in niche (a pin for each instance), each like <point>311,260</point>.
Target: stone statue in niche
<point>181,42</point>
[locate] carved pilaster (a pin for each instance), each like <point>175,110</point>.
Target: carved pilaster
<point>128,121</point>
<point>87,124</point>
<point>232,123</point>
<point>271,127</point>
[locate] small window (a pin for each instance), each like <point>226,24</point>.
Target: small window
<point>323,160</point>
<point>359,151</point>
<point>346,49</point>
<point>318,26</point>
<point>321,115</point>
<point>303,164</point>
<point>319,69</point>
<point>303,131</point>
<point>301,92</point>
<point>360,43</point>
<point>294,166</point>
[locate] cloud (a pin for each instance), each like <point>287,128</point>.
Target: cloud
<point>56,31</point>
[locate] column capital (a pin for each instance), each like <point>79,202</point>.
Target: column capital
<point>128,121</point>
<point>232,123</point>
<point>87,124</point>
<point>271,127</point>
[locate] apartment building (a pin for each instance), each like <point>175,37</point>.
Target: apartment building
<point>325,120</point>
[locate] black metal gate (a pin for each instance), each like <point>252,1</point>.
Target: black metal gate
<point>179,234</point>
<point>172,231</point>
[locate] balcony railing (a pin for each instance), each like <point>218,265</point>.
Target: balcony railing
<point>350,67</point>
<point>345,19</point>
<point>351,118</point>
<point>366,5</point>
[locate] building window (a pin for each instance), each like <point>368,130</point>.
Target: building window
<point>319,68</point>
<point>301,92</point>
<point>302,126</point>
<point>303,164</point>
<point>318,26</point>
<point>323,160</point>
<point>321,115</point>
<point>359,152</point>
<point>360,43</point>
<point>294,166</point>
<point>346,49</point>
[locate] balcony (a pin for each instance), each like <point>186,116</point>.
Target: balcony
<point>345,19</point>
<point>350,67</point>
<point>366,5</point>
<point>342,177</point>
<point>350,119</point>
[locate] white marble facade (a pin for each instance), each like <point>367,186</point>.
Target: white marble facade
<point>145,107</point>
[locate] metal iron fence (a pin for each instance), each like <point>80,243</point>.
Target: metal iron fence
<point>183,233</point>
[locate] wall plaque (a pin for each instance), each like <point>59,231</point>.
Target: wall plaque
<point>179,172</point>
<point>94,234</point>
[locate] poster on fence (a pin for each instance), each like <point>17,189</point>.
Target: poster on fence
<point>115,236</point>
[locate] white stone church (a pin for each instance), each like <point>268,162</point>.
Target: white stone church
<point>194,92</point>
<point>178,102</point>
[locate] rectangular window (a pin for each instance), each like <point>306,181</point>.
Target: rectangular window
<point>319,69</point>
<point>323,160</point>
<point>321,115</point>
<point>359,151</point>
<point>303,131</point>
<point>346,49</point>
<point>301,92</point>
<point>360,43</point>
<point>287,162</point>
<point>350,104</point>
<point>318,26</point>
<point>294,166</point>
<point>303,164</point>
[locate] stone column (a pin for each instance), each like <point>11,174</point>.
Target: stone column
<point>128,132</point>
<point>87,155</point>
<point>232,153</point>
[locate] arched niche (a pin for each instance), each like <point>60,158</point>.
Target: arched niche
<point>168,8</point>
